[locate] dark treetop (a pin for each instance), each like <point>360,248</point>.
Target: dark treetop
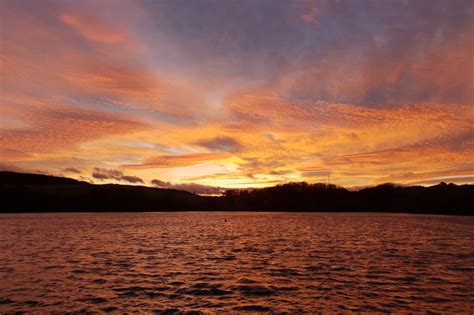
<point>41,193</point>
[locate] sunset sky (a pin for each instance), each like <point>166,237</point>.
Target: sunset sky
<point>246,93</point>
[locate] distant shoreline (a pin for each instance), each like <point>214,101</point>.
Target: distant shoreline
<point>33,193</point>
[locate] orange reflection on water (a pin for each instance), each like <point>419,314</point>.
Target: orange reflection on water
<point>234,262</point>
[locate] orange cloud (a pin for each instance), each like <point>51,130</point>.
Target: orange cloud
<point>311,12</point>
<point>461,173</point>
<point>382,157</point>
<point>178,160</point>
<point>134,87</point>
<point>140,92</point>
<point>50,126</point>
<point>93,29</point>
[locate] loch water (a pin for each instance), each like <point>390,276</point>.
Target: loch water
<point>225,262</point>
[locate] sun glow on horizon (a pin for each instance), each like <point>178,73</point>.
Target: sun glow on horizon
<point>253,95</point>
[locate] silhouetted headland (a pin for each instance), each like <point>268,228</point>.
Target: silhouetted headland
<point>42,193</point>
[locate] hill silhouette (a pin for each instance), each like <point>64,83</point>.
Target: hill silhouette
<point>42,193</point>
<point>21,192</point>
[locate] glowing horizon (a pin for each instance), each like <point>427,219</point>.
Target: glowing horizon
<point>238,94</point>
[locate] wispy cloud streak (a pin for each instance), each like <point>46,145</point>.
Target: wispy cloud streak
<point>238,93</point>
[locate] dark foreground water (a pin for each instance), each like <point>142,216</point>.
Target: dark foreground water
<point>236,262</point>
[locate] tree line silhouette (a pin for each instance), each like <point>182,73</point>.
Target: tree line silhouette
<point>42,193</point>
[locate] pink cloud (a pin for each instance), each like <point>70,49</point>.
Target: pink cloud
<point>93,29</point>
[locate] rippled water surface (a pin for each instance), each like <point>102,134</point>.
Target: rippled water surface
<point>236,262</point>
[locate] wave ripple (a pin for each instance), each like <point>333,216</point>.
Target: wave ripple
<point>201,263</point>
